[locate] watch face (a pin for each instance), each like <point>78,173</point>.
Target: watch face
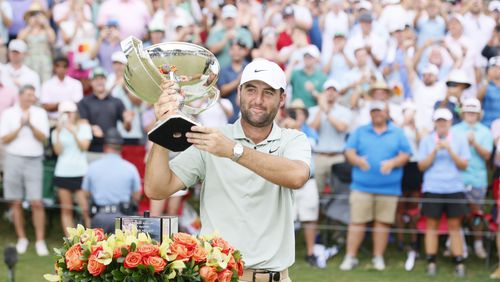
<point>238,149</point>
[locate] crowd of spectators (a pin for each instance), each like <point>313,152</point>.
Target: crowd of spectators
<point>407,92</point>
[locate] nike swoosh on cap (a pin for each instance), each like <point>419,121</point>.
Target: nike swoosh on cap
<point>258,71</point>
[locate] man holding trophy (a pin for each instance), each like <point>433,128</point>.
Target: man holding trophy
<point>248,169</point>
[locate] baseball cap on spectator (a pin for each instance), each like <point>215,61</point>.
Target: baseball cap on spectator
<point>377,106</point>
<point>431,69</point>
<point>265,71</point>
<point>119,57</point>
<point>494,6</point>
<point>331,83</point>
<point>156,26</point>
<point>390,2</point>
<point>442,113</point>
<point>242,43</point>
<point>229,11</point>
<point>380,85</point>
<point>112,23</point>
<point>366,18</point>
<point>408,105</point>
<point>366,5</point>
<point>287,11</point>
<point>396,25</point>
<point>98,72</point>
<point>339,34</point>
<point>67,106</point>
<point>494,61</point>
<point>113,137</point>
<point>18,45</point>
<point>180,22</point>
<point>312,51</point>
<point>458,17</point>
<point>471,105</point>
<point>297,104</point>
<point>458,76</point>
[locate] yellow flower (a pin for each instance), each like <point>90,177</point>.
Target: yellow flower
<point>75,232</point>
<point>164,247</point>
<point>105,256</point>
<point>217,258</point>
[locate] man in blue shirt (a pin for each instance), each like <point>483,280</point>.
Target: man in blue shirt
<point>489,94</point>
<point>112,183</point>
<point>230,76</point>
<point>377,151</point>
<point>475,177</point>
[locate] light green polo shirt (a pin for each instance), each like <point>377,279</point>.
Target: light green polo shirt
<point>251,213</point>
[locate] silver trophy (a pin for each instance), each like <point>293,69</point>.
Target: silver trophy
<point>158,228</point>
<point>192,67</point>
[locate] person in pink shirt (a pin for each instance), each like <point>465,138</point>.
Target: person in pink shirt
<point>132,15</point>
<point>60,88</point>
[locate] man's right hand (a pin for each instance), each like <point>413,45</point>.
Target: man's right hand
<point>168,103</point>
<point>363,164</point>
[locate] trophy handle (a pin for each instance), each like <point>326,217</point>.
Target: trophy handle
<point>171,133</point>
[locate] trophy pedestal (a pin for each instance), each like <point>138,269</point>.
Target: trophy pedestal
<point>156,227</point>
<point>171,133</point>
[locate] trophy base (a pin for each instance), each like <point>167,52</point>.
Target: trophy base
<point>171,133</point>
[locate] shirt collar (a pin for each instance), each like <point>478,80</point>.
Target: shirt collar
<point>239,134</point>
<point>390,127</point>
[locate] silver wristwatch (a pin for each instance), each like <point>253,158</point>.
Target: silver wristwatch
<point>237,152</point>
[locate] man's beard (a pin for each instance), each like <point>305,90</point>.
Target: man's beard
<point>262,121</point>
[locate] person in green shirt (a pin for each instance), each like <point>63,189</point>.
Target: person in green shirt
<point>307,82</point>
<point>220,39</point>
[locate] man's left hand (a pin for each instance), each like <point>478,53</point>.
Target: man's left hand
<point>211,140</point>
<point>386,166</point>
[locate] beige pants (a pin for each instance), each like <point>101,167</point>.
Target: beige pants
<point>323,169</point>
<point>263,277</point>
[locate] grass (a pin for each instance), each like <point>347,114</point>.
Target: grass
<point>30,267</point>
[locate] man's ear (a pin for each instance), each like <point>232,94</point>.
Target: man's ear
<point>282,98</point>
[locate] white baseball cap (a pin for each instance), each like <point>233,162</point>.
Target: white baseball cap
<point>431,69</point>
<point>442,113</point>
<point>377,105</point>
<point>331,83</point>
<point>311,50</point>
<point>18,45</point>
<point>67,106</point>
<point>265,71</point>
<point>458,76</point>
<point>471,105</point>
<point>494,6</point>
<point>365,5</point>
<point>119,57</point>
<point>229,11</point>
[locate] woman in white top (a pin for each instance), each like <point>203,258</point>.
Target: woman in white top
<point>71,139</point>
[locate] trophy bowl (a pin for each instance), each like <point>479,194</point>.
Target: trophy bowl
<point>192,67</point>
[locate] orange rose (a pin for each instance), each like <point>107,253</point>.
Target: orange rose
<point>99,234</point>
<point>94,267</point>
<point>208,274</point>
<point>225,275</point>
<point>185,239</point>
<point>223,244</point>
<point>199,254</point>
<point>240,267</point>
<point>147,250</point>
<point>232,263</point>
<point>72,256</point>
<point>182,252</point>
<point>117,252</point>
<point>156,262</point>
<point>132,260</point>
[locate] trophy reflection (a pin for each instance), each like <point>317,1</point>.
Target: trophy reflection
<point>192,67</point>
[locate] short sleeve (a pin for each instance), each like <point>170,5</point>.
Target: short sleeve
<point>298,148</point>
<point>86,183</point>
<point>84,132</point>
<point>83,110</point>
<point>352,141</point>
<point>4,125</point>
<point>214,37</point>
<point>487,141</point>
<point>189,166</point>
<point>345,115</point>
<point>423,149</point>
<point>404,145</point>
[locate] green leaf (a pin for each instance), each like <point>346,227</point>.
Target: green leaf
<point>133,247</point>
<point>124,252</point>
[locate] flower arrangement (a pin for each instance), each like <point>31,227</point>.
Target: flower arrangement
<point>92,255</point>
